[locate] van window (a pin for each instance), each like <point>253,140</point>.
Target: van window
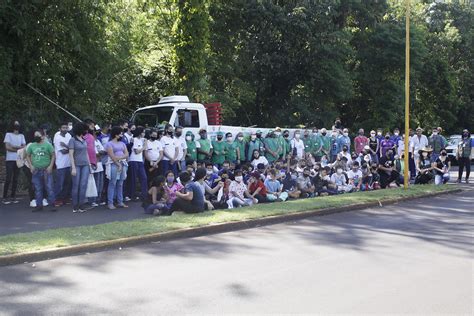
<point>187,118</point>
<point>153,117</point>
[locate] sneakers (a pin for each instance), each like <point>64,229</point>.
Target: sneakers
<point>230,204</point>
<point>6,201</point>
<point>94,204</point>
<point>122,206</point>
<point>33,203</point>
<point>78,210</point>
<point>127,199</point>
<point>14,200</point>
<point>102,203</point>
<point>111,207</point>
<point>45,202</point>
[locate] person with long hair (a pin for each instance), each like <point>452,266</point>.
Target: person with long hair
<point>157,202</point>
<point>80,167</point>
<point>116,169</point>
<point>424,167</point>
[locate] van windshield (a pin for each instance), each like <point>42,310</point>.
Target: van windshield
<point>153,117</point>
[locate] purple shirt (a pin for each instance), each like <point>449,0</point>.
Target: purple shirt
<point>386,145</point>
<point>117,147</point>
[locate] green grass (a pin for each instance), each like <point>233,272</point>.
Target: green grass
<point>62,237</point>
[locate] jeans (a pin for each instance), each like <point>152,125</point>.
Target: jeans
<point>63,183</point>
<point>28,175</point>
<point>137,169</point>
<point>441,179</point>
<point>79,186</point>
<point>115,187</point>
<point>434,156</point>
<point>12,178</point>
<point>411,165</point>
<point>182,165</point>
<point>237,202</point>
<point>168,166</point>
<point>43,180</point>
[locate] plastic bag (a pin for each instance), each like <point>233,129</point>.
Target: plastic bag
<point>91,187</point>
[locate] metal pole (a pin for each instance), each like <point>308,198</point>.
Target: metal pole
<point>56,104</point>
<point>407,94</point>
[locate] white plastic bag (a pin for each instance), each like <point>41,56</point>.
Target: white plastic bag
<point>91,187</point>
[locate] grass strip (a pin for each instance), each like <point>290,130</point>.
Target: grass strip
<point>62,237</point>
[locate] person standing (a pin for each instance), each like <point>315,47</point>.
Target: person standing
<point>437,143</point>
<point>272,149</point>
<point>204,148</point>
<point>180,141</point>
<point>153,154</point>
<point>297,146</point>
<point>326,143</point>
<point>137,166</point>
<point>418,142</point>
<point>254,144</point>
<point>231,149</point>
<point>116,169</point>
<point>218,150</point>
<point>386,144</point>
<point>464,155</point>
<point>63,165</point>
<point>40,156</point>
<point>344,139</point>
<point>170,151</point>
<point>80,166</point>
<point>191,145</point>
<point>360,142</point>
<point>14,140</point>
<point>241,144</point>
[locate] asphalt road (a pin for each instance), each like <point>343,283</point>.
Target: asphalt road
<point>410,258</point>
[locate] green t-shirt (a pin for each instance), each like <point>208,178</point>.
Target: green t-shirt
<point>192,150</point>
<point>41,154</point>
<point>218,154</point>
<point>241,145</point>
<point>316,145</point>
<point>273,145</point>
<point>205,145</point>
<point>231,151</point>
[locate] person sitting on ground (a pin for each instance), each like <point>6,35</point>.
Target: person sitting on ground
<point>441,167</point>
<point>387,171</point>
<point>256,187</point>
<point>258,159</point>
<point>274,188</point>
<point>171,186</point>
<point>191,198</point>
<point>355,176</point>
<point>238,193</point>
<point>340,179</point>
<point>157,202</point>
<point>423,166</point>
<point>304,184</point>
<point>323,184</point>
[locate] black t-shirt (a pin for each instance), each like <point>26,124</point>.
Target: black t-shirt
<point>386,162</point>
<point>288,183</point>
<point>319,182</point>
<point>441,165</point>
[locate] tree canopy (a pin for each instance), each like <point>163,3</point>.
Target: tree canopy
<point>269,62</point>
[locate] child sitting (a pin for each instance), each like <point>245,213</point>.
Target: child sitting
<point>238,194</point>
<point>156,202</point>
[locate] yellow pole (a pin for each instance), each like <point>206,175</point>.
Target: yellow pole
<point>407,93</point>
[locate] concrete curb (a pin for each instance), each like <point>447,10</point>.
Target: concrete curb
<point>195,231</point>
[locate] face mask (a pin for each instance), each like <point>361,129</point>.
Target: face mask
<point>229,139</point>
<point>297,136</point>
<point>238,178</point>
<point>444,154</point>
<point>396,134</point>
<point>170,179</point>
<point>189,138</point>
<point>379,133</point>
<point>259,135</point>
<point>219,137</point>
<point>435,133</point>
<point>125,130</point>
<point>286,135</point>
<point>339,171</point>
<point>344,149</point>
<point>425,154</point>
<point>253,137</point>
<point>372,134</point>
<point>37,139</point>
<point>178,134</point>
<point>324,134</point>
<point>277,133</point>
<point>346,134</point>
<point>240,138</point>
<point>387,137</point>
<point>153,138</point>
<point>203,136</point>
<point>209,172</point>
<point>305,175</point>
<point>170,133</point>
<point>465,135</point>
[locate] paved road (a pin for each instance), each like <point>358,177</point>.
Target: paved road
<point>409,258</point>
<point>18,218</point>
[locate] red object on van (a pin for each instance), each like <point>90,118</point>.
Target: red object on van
<point>214,113</point>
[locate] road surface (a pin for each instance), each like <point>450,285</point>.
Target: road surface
<point>414,257</point>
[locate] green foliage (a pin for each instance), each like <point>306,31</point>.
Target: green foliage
<point>269,62</point>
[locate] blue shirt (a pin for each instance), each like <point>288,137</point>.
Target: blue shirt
<point>198,195</point>
<point>272,186</point>
<point>344,140</point>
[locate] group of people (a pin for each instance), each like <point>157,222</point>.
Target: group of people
<point>168,171</point>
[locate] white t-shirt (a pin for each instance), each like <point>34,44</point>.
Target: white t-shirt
<point>169,146</point>
<point>418,143</point>
<point>98,148</point>
<point>138,143</point>
<point>181,144</point>
<point>299,145</point>
<point>260,159</point>
<point>62,160</point>
<point>356,176</point>
<point>153,149</point>
<point>14,140</point>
